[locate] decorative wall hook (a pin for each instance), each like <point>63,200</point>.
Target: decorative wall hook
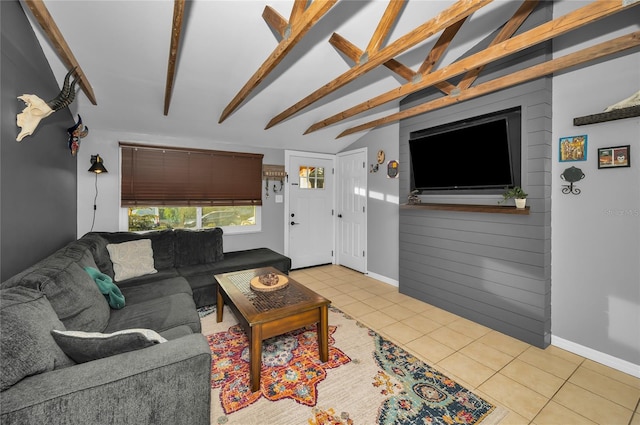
<point>36,109</point>
<point>571,175</point>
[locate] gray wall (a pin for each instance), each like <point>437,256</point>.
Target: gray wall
<point>382,204</point>
<point>492,268</point>
<point>38,175</point>
<point>596,235</point>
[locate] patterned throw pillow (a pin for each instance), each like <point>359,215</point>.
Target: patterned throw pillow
<point>131,259</point>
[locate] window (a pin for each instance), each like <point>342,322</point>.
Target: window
<point>311,177</point>
<point>164,187</point>
<point>159,218</point>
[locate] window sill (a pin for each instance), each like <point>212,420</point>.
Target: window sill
<point>495,209</point>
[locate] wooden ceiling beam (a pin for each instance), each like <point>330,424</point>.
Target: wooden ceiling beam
<point>454,13</point>
<point>576,19</point>
<point>297,10</point>
<point>307,20</point>
<point>276,21</point>
<point>354,53</point>
<point>598,51</point>
<point>176,31</point>
<point>505,33</point>
<point>384,26</point>
<point>441,46</point>
<point>49,26</point>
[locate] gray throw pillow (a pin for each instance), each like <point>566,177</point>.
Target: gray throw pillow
<point>87,346</point>
<point>27,348</point>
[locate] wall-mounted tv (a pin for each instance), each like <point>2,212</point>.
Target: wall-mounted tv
<point>480,154</point>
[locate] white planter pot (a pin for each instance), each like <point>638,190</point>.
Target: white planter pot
<point>521,203</point>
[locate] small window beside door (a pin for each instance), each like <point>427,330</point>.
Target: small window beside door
<point>311,177</point>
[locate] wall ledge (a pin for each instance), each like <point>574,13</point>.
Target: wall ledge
<point>495,209</point>
<point>617,114</point>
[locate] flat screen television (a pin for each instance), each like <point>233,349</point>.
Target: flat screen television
<point>480,154</point>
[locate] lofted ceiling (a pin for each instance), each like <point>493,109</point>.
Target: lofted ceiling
<point>224,71</point>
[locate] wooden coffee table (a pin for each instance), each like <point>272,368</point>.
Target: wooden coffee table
<point>267,314</point>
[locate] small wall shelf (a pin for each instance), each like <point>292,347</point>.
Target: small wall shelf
<point>618,114</point>
<point>496,209</point>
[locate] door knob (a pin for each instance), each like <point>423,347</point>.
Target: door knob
<point>293,223</point>
<point>339,215</point>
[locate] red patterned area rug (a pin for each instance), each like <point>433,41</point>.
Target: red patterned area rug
<point>367,380</point>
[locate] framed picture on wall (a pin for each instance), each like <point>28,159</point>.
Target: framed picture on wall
<point>573,148</point>
<point>614,157</point>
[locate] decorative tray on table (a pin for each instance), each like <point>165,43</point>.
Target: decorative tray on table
<point>269,282</point>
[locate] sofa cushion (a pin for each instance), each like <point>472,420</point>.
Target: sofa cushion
<point>198,246</point>
<point>131,259</point>
<point>87,346</point>
<point>27,348</point>
<point>158,314</point>
<point>142,292</point>
<point>162,242</point>
<point>110,290</point>
<point>72,293</point>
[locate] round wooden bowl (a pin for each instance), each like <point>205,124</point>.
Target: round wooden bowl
<point>256,285</point>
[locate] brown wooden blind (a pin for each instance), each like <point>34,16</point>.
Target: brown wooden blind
<point>153,175</point>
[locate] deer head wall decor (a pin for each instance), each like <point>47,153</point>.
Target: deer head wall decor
<point>36,109</point>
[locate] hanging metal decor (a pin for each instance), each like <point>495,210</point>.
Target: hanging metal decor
<point>571,175</point>
<point>77,132</point>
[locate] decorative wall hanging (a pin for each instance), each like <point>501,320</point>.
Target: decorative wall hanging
<point>77,132</point>
<point>392,169</point>
<point>571,175</point>
<point>275,172</point>
<point>573,148</point>
<point>373,168</point>
<point>614,157</point>
<point>36,109</point>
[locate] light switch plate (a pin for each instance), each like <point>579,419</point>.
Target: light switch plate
<point>279,199</point>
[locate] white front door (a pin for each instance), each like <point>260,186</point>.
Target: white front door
<point>309,208</point>
<point>351,209</point>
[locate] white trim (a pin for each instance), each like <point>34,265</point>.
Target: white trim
<point>383,279</point>
<point>597,356</point>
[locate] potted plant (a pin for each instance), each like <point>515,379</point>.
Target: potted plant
<point>516,193</point>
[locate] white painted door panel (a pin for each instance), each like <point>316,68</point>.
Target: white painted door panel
<point>310,210</point>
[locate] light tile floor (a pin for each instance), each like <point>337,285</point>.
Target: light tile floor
<point>540,387</point>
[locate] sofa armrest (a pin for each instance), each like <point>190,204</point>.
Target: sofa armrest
<point>168,383</point>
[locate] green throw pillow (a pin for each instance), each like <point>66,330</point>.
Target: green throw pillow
<point>109,289</point>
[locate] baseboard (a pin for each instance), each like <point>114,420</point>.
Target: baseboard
<point>597,356</point>
<point>382,278</point>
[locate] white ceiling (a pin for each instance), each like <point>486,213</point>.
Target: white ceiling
<point>123,49</point>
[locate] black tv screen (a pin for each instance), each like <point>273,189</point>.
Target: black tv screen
<point>481,153</point>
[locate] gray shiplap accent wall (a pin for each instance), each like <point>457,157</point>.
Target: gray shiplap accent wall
<point>494,269</point>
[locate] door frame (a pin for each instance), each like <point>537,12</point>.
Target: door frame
<point>287,157</point>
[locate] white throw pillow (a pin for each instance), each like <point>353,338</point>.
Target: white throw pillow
<point>131,259</point>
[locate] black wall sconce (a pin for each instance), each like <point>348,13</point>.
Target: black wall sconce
<point>571,175</point>
<point>97,167</point>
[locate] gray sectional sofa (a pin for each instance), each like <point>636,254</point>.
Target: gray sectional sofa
<point>71,354</point>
